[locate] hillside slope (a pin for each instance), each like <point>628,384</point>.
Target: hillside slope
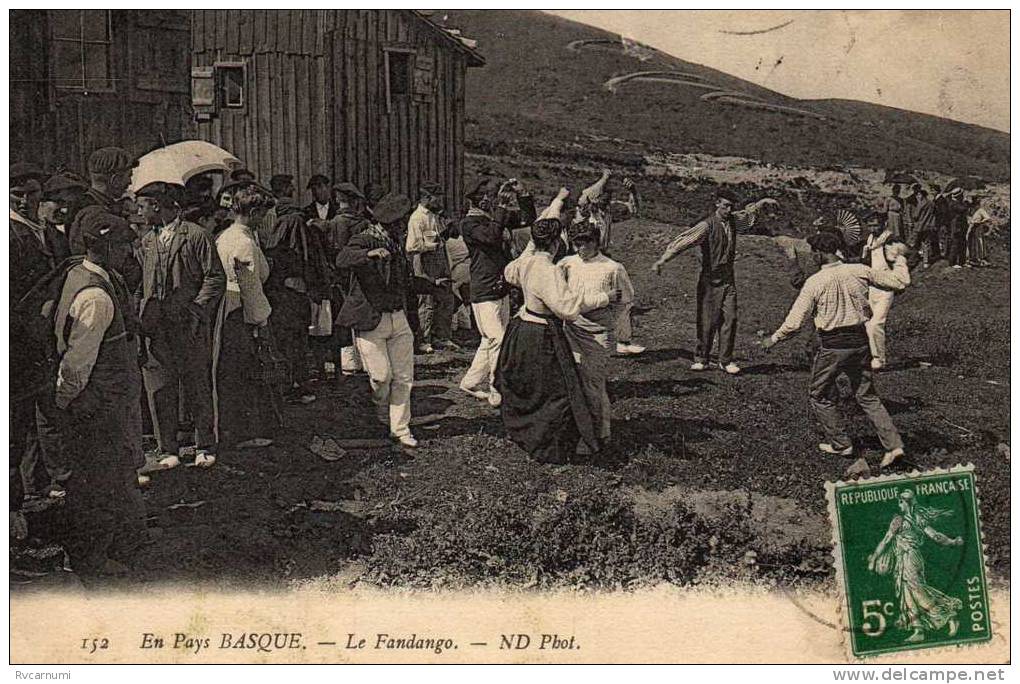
<point>555,81</point>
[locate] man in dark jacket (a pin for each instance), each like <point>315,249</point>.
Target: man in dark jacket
<point>375,311</point>
<point>109,178</point>
<point>926,239</point>
<point>717,287</point>
<point>36,248</point>
<point>182,283</point>
<point>321,207</point>
<point>487,234</point>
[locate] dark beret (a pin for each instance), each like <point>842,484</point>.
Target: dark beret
<point>725,194</point>
<point>374,192</point>
<point>430,188</point>
<point>318,179</point>
<point>23,171</point>
<point>825,242</point>
<point>349,189</point>
<point>99,225</point>
<point>582,230</point>
<point>391,208</point>
<point>162,191</point>
<point>242,174</point>
<point>546,229</point>
<point>108,160</point>
<point>477,194</point>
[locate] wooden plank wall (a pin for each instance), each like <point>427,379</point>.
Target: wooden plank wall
<point>317,98</point>
<point>60,129</point>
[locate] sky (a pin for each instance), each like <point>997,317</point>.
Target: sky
<point>951,64</point>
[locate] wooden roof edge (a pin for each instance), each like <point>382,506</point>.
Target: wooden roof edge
<point>475,58</point>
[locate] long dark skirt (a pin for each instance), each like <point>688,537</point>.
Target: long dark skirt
<point>544,409</point>
<point>247,409</point>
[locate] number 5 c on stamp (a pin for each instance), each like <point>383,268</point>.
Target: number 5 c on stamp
<point>909,561</point>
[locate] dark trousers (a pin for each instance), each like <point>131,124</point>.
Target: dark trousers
<point>957,246</point>
<point>104,509</point>
<point>435,315</point>
<point>928,245</point>
<point>717,313</point>
<point>293,345</point>
<point>855,363</point>
<point>178,359</point>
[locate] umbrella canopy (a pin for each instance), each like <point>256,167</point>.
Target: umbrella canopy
<point>899,178</point>
<point>179,162</point>
<point>966,183</point>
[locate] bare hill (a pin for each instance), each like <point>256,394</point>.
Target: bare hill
<point>553,81</point>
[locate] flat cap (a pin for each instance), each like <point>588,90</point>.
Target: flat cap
<point>108,160</point>
<point>318,179</point>
<point>242,174</point>
<point>349,189</point>
<point>63,182</point>
<point>391,208</point>
<point>162,191</point>
<point>374,192</point>
<point>431,188</point>
<point>22,171</point>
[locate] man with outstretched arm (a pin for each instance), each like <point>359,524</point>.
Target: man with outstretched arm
<point>837,298</point>
<point>717,288</point>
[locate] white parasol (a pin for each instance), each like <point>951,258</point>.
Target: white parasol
<point>181,161</point>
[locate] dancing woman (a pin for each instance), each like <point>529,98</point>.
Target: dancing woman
<point>922,606</point>
<point>544,407</point>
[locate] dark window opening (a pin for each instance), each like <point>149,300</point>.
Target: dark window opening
<point>399,73</point>
<point>80,44</point>
<point>231,77</point>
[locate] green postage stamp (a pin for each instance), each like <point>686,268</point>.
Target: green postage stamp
<point>909,561</point>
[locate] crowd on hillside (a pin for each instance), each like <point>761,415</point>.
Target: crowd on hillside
<point>207,306</point>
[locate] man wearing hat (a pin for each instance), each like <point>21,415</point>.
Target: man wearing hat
<point>487,232</point>
<point>92,398</point>
<point>33,248</point>
<point>375,310</point>
<point>321,207</point>
<point>956,217</point>
<point>61,195</point>
<point>182,283</point>
<point>282,185</point>
<point>922,217</point>
<point>109,177</point>
<point>426,248</point>
<point>717,287</point>
<point>837,298</point>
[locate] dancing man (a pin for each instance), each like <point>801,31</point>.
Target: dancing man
<point>837,298</point>
<point>717,288</point>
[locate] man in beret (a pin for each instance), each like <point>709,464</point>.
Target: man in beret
<point>717,287</point>
<point>321,207</point>
<point>93,398</point>
<point>836,297</point>
<point>242,175</point>
<point>182,283</point>
<point>109,177</point>
<point>426,248</point>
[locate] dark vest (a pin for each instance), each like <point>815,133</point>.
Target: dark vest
<point>718,249</point>
<point>110,376</point>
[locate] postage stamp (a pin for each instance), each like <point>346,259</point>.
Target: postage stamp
<point>909,561</point>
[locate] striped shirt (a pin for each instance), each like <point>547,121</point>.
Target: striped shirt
<point>742,221</point>
<point>837,296</point>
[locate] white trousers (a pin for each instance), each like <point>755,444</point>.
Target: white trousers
<point>491,318</point>
<point>880,302</point>
<point>387,352</point>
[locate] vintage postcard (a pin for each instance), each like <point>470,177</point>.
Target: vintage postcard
<point>509,336</point>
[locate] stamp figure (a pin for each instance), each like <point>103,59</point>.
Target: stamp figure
<point>909,561</point>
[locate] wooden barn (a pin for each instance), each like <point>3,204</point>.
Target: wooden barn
<point>359,95</point>
<point>85,79</point>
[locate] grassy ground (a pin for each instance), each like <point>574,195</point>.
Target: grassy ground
<point>709,477</point>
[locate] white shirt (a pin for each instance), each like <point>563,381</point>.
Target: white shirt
<point>600,274</point>
<point>546,291</point>
<point>423,230</point>
<point>322,210</point>
<point>246,268</point>
<point>91,313</point>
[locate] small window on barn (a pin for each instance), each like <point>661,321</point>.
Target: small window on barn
<point>231,85</point>
<point>398,75</point>
<point>80,46</point>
